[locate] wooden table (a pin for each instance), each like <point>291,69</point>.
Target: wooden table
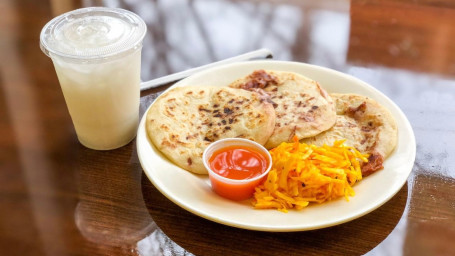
<point>59,198</point>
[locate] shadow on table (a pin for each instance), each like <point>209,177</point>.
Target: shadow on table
<point>202,237</point>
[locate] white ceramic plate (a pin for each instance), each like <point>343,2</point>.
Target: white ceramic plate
<point>193,193</point>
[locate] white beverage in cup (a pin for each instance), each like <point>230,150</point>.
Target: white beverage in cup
<point>96,53</point>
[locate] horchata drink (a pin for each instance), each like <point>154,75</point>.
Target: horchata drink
<point>97,56</point>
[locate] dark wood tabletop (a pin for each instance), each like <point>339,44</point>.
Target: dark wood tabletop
<point>59,198</point>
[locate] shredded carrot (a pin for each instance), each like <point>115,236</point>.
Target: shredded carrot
<point>302,174</point>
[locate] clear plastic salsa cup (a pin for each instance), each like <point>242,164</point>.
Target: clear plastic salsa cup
<point>236,188</point>
<point>96,54</point>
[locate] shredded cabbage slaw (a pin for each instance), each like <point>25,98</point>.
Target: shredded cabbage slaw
<point>302,174</point>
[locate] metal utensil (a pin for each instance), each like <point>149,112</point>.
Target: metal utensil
<point>258,54</point>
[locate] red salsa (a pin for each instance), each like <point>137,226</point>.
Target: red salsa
<point>238,162</point>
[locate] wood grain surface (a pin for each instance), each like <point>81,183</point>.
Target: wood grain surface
<point>60,198</point>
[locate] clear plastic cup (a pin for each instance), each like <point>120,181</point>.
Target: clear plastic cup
<point>96,53</point>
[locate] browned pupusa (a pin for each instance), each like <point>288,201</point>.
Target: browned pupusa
<point>365,125</point>
<point>185,120</point>
<point>302,107</point>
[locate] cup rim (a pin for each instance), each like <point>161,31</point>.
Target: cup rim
<point>205,159</point>
<point>47,39</point>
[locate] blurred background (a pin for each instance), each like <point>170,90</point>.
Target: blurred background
<point>335,33</point>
